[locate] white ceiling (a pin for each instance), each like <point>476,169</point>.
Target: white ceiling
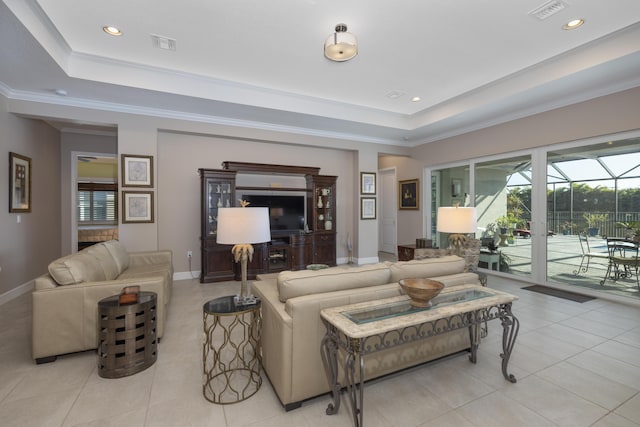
<point>260,63</point>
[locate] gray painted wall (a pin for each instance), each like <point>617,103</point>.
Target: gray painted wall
<point>26,248</point>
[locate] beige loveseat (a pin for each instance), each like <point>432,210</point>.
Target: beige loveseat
<point>65,301</point>
<point>292,328</point>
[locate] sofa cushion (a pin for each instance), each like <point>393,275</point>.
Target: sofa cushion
<point>76,268</point>
<point>107,262</point>
<point>293,284</point>
<point>119,254</point>
<point>430,267</point>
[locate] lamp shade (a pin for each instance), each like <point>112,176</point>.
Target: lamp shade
<point>341,45</point>
<point>243,225</point>
<point>457,220</point>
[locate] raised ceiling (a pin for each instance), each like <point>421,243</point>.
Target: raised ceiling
<point>260,64</point>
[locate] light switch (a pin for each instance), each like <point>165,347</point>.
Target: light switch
<point>19,218</point>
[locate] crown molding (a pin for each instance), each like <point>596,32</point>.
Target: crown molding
<point>184,116</point>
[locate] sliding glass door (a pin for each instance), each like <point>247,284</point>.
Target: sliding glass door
<point>540,212</point>
<point>449,187</point>
<point>593,195</point>
<point>503,189</point>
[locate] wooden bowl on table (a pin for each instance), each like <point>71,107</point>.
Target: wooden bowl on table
<point>421,291</point>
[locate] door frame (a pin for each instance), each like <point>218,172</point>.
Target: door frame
<point>74,192</point>
<point>388,200</point>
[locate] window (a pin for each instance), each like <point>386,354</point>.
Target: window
<point>97,203</point>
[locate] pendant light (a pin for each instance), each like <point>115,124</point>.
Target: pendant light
<point>341,46</point>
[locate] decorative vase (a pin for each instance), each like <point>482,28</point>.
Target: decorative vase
<point>320,205</point>
<point>328,224</point>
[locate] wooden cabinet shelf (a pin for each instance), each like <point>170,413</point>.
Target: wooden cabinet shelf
<point>244,188</point>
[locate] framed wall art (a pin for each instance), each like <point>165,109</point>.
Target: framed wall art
<point>137,206</point>
<point>367,208</point>
<point>19,183</point>
<point>137,171</point>
<point>367,183</point>
<point>409,194</point>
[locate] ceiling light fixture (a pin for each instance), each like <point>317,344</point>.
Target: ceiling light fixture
<point>341,46</point>
<point>416,99</point>
<point>572,25</point>
<point>112,31</point>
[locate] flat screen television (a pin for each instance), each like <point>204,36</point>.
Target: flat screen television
<point>286,212</point>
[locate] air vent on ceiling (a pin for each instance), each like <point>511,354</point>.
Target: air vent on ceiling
<point>162,42</point>
<point>549,8</point>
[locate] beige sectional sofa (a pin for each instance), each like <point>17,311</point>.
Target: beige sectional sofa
<point>65,300</point>
<point>292,328</point>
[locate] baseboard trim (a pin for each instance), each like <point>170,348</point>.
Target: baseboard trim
<point>370,260</point>
<point>186,275</point>
<point>16,292</point>
<point>340,261</point>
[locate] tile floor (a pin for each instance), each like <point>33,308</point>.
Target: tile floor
<point>576,364</point>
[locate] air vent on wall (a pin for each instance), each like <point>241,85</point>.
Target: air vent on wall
<point>162,42</point>
<point>549,8</point>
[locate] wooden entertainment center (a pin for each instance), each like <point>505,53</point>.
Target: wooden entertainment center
<point>287,250</point>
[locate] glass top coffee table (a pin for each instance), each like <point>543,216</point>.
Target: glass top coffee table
<point>371,326</point>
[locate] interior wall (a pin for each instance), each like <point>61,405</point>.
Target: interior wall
<point>28,245</point>
<point>600,116</point>
<point>410,223</point>
<point>139,137</point>
<point>138,134</point>
<point>181,155</point>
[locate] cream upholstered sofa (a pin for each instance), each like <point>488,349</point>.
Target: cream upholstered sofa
<point>65,300</point>
<point>292,328</point>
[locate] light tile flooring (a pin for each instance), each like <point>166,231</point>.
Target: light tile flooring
<point>576,364</point>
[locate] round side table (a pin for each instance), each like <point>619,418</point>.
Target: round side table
<point>231,355</point>
<point>127,335</point>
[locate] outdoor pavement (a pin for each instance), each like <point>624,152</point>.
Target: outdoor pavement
<point>564,255</point>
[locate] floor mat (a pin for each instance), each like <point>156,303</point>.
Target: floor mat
<point>559,293</point>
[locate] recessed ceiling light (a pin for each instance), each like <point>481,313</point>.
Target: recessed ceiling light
<point>572,25</point>
<point>395,94</point>
<point>112,31</point>
<point>416,99</point>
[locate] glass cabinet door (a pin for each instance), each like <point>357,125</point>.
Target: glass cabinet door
<point>325,204</point>
<point>219,194</point>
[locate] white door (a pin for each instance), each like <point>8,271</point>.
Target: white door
<point>387,211</point>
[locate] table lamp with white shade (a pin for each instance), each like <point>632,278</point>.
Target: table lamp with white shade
<point>241,227</point>
<point>458,221</point>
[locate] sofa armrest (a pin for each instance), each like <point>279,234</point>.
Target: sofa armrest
<point>65,317</point>
<point>276,340</point>
<point>150,257</point>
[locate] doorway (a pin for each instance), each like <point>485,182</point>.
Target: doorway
<point>387,232</point>
<point>94,200</point>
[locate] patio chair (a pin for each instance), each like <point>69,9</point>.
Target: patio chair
<point>623,260</point>
<point>587,254</point>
